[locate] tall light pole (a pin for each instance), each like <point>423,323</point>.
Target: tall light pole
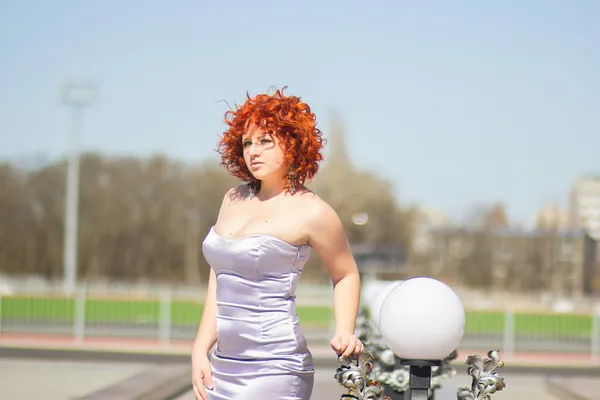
<point>76,95</point>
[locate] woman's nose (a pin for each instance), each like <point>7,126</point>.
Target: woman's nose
<point>254,148</point>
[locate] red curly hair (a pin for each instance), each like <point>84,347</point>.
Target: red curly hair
<point>286,117</point>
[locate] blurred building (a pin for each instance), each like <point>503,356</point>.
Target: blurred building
<point>552,217</point>
<point>426,221</point>
<point>380,262</point>
<point>584,205</point>
<point>562,262</point>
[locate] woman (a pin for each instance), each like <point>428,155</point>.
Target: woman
<point>262,239</point>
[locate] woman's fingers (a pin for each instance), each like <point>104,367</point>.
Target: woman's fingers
<point>208,380</point>
<point>199,391</point>
<point>350,345</point>
<point>359,348</point>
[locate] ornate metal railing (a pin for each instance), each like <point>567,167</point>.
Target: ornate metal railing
<point>379,374</point>
<point>356,375</point>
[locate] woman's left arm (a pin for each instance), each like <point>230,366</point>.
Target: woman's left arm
<point>327,237</point>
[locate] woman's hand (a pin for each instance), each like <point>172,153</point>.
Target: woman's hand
<point>346,345</point>
<point>201,375</point>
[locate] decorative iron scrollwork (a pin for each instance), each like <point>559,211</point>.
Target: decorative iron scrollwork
<point>485,381</point>
<point>353,375</point>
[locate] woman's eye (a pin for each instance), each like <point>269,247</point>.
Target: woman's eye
<point>246,144</point>
<point>266,140</point>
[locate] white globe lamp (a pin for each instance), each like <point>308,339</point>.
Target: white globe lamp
<point>369,291</point>
<point>422,321</point>
<point>378,299</point>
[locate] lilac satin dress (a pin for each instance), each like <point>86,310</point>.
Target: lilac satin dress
<point>261,352</point>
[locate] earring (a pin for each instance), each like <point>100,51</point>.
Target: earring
<point>292,180</point>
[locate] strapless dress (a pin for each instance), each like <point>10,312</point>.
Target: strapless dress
<point>261,352</point>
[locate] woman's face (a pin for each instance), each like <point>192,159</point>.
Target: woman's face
<point>263,154</point>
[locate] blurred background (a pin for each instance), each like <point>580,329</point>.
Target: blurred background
<point>463,141</point>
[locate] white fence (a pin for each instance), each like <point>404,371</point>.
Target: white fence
<point>166,316</point>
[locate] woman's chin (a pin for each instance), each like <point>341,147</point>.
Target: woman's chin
<point>258,175</point>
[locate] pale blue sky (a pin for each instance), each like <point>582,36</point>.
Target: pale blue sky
<point>457,102</point>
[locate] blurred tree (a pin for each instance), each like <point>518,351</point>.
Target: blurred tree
<point>144,219</point>
<point>140,219</point>
<point>483,264</point>
<point>487,216</point>
<point>11,218</point>
<point>40,223</point>
<point>350,191</point>
<point>206,186</point>
<point>475,265</point>
<point>354,193</point>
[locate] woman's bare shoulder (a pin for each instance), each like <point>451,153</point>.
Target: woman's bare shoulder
<point>309,197</point>
<point>324,227</point>
<point>236,193</point>
<point>317,207</point>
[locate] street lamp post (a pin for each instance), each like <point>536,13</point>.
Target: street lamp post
<point>389,369</point>
<point>76,95</point>
<point>421,323</point>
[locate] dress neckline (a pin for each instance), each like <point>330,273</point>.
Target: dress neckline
<point>258,235</point>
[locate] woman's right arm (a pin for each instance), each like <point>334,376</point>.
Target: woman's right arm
<point>206,337</point>
<point>205,340</point>
<point>207,331</point>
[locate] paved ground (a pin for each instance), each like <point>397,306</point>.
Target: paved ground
<point>27,379</point>
<point>519,387</point>
<point>66,379</point>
